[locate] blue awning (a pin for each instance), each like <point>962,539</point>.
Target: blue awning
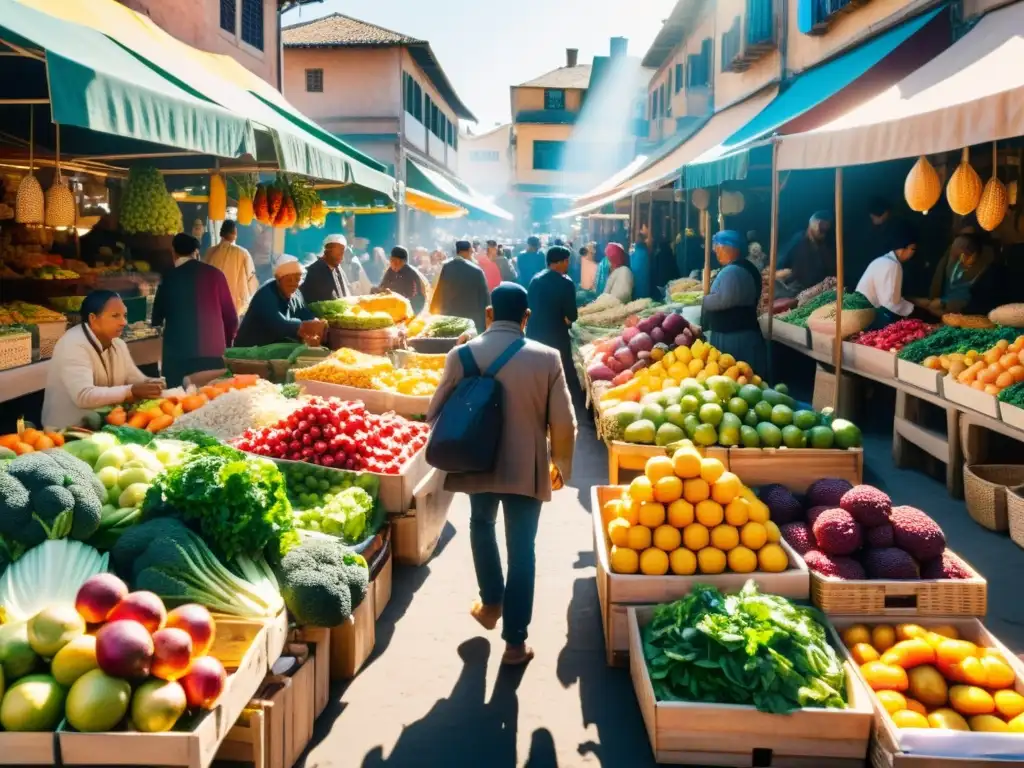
<point>729,160</point>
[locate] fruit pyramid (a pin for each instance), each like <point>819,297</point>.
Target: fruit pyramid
<point>687,514</point>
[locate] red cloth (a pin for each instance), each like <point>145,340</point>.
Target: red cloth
<point>615,254</point>
<point>491,271</point>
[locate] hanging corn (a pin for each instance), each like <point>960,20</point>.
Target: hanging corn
<point>217,207</point>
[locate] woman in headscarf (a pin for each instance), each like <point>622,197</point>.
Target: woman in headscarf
<point>620,278</point>
<point>966,280</point>
<point>729,314</point>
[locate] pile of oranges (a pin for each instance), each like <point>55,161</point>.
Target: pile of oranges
<point>688,514</point>
<point>990,372</point>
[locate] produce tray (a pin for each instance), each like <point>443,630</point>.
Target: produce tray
<point>878,363</point>
<point>633,456</point>
<point>353,641</point>
<point>892,747</point>
<point>823,344</point>
<point>923,597</point>
<point>417,532</point>
<point>616,592</point>
<point>796,468</point>
<point>429,345</point>
<point>28,748</point>
<point>762,321</point>
<point>919,376</point>
<point>1012,415</point>
<point>971,398</point>
<point>375,401</point>
<point>794,334</point>
<point>320,639</point>
<point>695,733</point>
<point>382,581</point>
<point>195,748</point>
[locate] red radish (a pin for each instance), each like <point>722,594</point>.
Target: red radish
<point>143,607</point>
<point>204,682</point>
<point>172,653</point>
<point>98,596</point>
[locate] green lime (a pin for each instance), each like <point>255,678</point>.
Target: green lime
<point>770,435</point>
<point>805,419</point>
<point>820,437</point>
<point>689,404</point>
<point>782,415</point>
<point>793,437</point>
<point>711,413</point>
<point>668,433</point>
<point>705,434</point>
<point>739,406</point>
<point>749,438</point>
<point>751,393</point>
<point>763,409</point>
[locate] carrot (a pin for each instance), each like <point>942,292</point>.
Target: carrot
<point>163,421</point>
<point>56,437</point>
<point>210,392</point>
<point>117,417</point>
<point>152,413</point>
<point>138,420</point>
<point>43,443</point>
<point>9,441</point>
<point>193,402</point>
<point>167,406</point>
<point>23,448</point>
<point>30,436</point>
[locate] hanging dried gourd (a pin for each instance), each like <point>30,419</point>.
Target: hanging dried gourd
<point>700,199</point>
<point>994,199</point>
<point>246,190</point>
<point>217,207</point>
<point>275,199</point>
<point>28,203</point>
<point>964,188</point>
<point>61,208</point>
<point>318,215</point>
<point>260,205</point>
<point>922,187</point>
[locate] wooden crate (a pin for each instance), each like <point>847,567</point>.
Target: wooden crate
<point>634,456</point>
<point>876,363</point>
<point>28,748</point>
<point>376,401</point>
<point>823,344</point>
<point>319,640</point>
<point>796,468</point>
<point>246,742</point>
<point>1012,415</point>
<point>919,376</point>
<point>415,534</point>
<point>693,733</point>
<point>923,597</point>
<point>352,642</point>
<point>793,334</point>
<point>971,398</point>
<point>381,584</point>
<point>616,592</point>
<point>892,747</point>
<point>195,748</point>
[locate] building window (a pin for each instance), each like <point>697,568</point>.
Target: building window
<point>760,22</point>
<point>451,135</point>
<point>547,155</point>
<point>554,98</point>
<point>698,67</point>
<point>417,101</point>
<point>252,23</point>
<point>485,156</point>
<point>435,119</point>
<point>227,15</point>
<point>315,80</point>
<point>426,111</point>
<point>666,98</point>
<point>679,77</point>
<point>732,45</point>
<point>455,143</point>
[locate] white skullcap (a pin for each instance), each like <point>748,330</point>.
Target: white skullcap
<point>287,265</point>
<point>339,239</point>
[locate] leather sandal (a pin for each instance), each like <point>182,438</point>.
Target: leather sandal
<point>486,615</point>
<point>517,655</point>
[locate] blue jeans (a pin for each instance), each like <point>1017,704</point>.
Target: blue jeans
<point>514,594</point>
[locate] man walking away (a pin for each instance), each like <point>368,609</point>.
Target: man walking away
<point>553,305</point>
<point>530,261</point>
<point>404,279</point>
<point>488,265</point>
<point>508,272</point>
<point>325,277</point>
<point>236,264</point>
<point>462,288</point>
<point>536,406</point>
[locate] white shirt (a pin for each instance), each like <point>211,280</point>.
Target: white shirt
<point>79,379</point>
<point>620,284</point>
<point>882,285</point>
<point>236,264</point>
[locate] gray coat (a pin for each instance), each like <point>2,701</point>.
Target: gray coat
<point>537,405</point>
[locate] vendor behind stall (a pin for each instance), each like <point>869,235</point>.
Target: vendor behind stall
<point>729,311</point>
<point>966,280</point>
<point>809,256</point>
<point>620,278</point>
<point>404,279</point>
<point>103,243</point>
<point>325,278</point>
<point>278,312</point>
<point>91,366</point>
<point>882,282</point>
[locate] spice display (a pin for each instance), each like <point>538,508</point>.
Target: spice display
<point>893,337</point>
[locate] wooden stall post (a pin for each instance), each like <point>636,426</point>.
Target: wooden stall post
<point>706,213</point>
<point>838,352</point>
<point>773,252</point>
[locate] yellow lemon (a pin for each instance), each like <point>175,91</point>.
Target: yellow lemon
<point>711,470</point>
<point>686,463</point>
<point>680,513</point>
<point>758,511</point>
<point>725,488</point>
<point>653,562</point>
<point>667,538</point>
<point>611,510</point>
<point>652,515</point>
<point>725,537</point>
<point>855,635</point>
<point>696,537</point>
<point>641,489</point>
<point>658,467</point>
<point>772,558</point>
<point>712,369</point>
<point>668,489</point>
<point>713,354</point>
<point>709,513</point>
<point>630,511</point>
<point>753,535</point>
<point>618,532</point>
<point>774,534</point>
<point>695,366</point>
<point>756,380</point>
<point>696,490</point>
<point>669,358</point>
<point>683,355</point>
<point>711,560</point>
<point>623,560</point>
<point>737,512</point>
<point>726,360</point>
<point>682,562</point>
<point>639,537</point>
<point>742,560</point>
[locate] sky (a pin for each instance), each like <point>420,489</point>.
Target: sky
<point>485,46</point>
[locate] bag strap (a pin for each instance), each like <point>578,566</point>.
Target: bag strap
<point>504,357</point>
<point>469,366</point>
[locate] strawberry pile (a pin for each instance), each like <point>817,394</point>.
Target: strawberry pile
<point>340,434</point>
<point>893,337</point>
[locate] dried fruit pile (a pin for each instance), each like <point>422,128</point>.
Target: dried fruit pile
<point>893,337</point>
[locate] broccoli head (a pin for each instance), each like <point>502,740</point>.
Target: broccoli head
<point>322,582</point>
<point>49,495</point>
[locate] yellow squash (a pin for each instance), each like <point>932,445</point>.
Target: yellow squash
<point>922,187</point>
<point>218,205</point>
<point>963,192</point>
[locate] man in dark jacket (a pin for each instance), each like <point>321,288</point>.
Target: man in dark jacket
<point>496,253</point>
<point>553,305</point>
<point>462,288</point>
<point>405,280</point>
<point>810,255</point>
<point>195,308</point>
<point>325,278</point>
<point>529,262</point>
<point>277,311</point>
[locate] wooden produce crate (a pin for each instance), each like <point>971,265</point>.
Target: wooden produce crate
<point>1012,415</point>
<point>28,748</point>
<point>876,363</point>
<point>376,401</point>
<point>319,641</point>
<point>416,533</point>
<point>242,647</point>
<point>352,642</point>
<point>892,747</point>
<point>919,376</point>
<point>823,344</point>
<point>45,337</point>
<point>634,456</point>
<point>923,597</point>
<point>969,397</point>
<point>694,733</point>
<point>398,491</point>
<point>15,350</point>
<point>246,742</point>
<point>796,468</point>
<point>381,584</point>
<point>617,592</point>
<point>277,636</point>
<point>793,334</point>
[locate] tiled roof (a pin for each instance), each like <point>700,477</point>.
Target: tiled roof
<point>338,30</point>
<point>563,77</point>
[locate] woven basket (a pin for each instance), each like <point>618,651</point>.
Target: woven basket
<point>15,350</point>
<point>985,487</point>
<point>852,321</point>
<point>375,342</point>
<point>1015,514</point>
<point>49,334</point>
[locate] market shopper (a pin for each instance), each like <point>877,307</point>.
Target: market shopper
<point>588,267</point>
<point>729,313</point>
<point>529,262</point>
<point>278,311</point>
<point>236,264</point>
<point>404,279</point>
<point>552,298</point>
<point>92,367</point>
<point>640,265</point>
<point>505,266</point>
<point>809,256</point>
<point>967,280</point>
<point>486,262</point>
<point>882,282</point>
<point>326,278</point>
<point>461,289</point>
<point>620,278</point>
<point>536,406</point>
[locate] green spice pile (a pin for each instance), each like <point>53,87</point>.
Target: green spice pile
<point>948,340</point>
<point>279,351</point>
